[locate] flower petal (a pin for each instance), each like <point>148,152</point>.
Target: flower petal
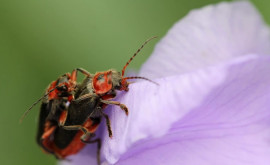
<point>208,36</point>
<point>199,113</point>
<point>213,98</point>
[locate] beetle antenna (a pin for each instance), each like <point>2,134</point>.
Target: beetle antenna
<point>137,77</point>
<point>35,103</point>
<point>124,68</point>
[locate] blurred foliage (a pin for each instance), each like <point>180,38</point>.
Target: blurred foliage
<point>40,40</point>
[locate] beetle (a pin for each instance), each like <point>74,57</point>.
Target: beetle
<point>54,104</point>
<point>62,141</point>
<point>70,113</point>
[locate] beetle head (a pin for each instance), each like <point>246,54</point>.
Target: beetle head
<point>62,87</point>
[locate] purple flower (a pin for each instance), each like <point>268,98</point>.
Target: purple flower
<point>212,105</point>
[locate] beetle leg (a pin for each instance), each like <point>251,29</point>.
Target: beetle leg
<point>122,106</point>
<point>83,71</point>
<point>75,128</point>
<point>87,128</point>
<point>73,79</point>
<point>48,130</point>
<point>108,123</point>
<point>62,118</point>
<point>45,140</point>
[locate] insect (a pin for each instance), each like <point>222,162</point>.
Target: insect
<point>54,104</point>
<point>71,112</point>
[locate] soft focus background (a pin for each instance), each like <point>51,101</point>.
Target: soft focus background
<point>41,40</point>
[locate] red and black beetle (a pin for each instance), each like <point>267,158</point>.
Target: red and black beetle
<point>70,113</point>
<point>54,106</point>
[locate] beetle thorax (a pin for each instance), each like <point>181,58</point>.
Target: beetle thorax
<point>104,82</point>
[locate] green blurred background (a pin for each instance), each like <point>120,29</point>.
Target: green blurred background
<point>40,40</point>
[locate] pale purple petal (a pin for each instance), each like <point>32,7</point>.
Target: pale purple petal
<point>86,157</point>
<point>219,115</point>
<point>208,36</point>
